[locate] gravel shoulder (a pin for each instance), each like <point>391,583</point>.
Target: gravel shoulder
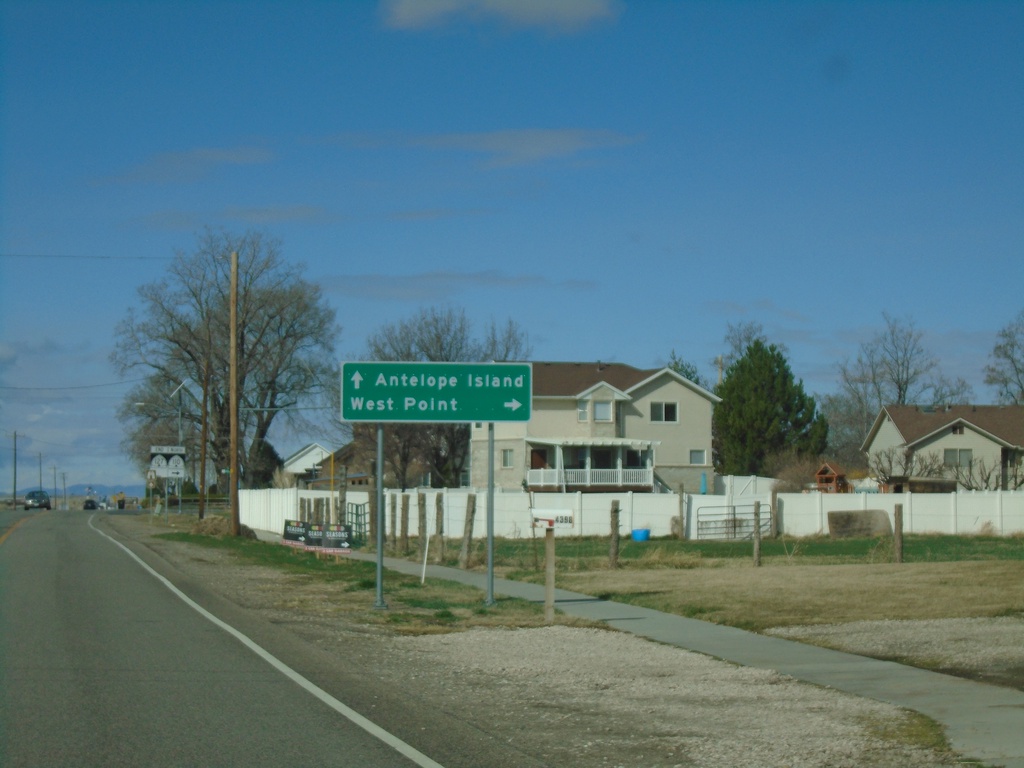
<point>591,697</point>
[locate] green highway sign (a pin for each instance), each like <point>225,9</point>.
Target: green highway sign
<point>427,392</point>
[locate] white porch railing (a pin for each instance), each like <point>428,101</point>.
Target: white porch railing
<point>585,477</point>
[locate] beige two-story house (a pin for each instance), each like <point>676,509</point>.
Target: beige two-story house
<point>602,427</point>
<point>977,446</point>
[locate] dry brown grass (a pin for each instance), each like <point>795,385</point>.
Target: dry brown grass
<point>730,592</point>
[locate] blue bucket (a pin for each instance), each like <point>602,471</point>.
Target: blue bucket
<point>641,534</point>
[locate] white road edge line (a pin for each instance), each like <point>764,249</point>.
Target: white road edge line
<point>367,725</point>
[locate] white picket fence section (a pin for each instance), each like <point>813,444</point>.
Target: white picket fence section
<point>796,514</point>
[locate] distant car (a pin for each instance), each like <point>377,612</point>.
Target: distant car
<point>37,500</point>
<point>90,504</point>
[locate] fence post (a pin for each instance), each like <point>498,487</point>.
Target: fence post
<point>757,534</point>
<point>897,524</point>
<point>467,532</point>
<point>439,525</point>
<point>421,509</point>
<point>549,576</point>
<point>405,522</point>
<point>394,518</point>
<point>613,551</point>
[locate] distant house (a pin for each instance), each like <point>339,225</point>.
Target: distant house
<point>978,446</point>
<point>333,471</point>
<point>306,463</point>
<point>602,427</point>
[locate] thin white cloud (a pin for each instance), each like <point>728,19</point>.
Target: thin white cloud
<point>438,285</point>
<point>509,148</point>
<point>193,165</point>
<point>274,214</point>
<point>550,15</point>
<point>501,149</point>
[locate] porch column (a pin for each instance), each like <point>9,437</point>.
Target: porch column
<point>560,466</point>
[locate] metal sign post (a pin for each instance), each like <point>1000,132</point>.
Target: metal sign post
<point>411,392</point>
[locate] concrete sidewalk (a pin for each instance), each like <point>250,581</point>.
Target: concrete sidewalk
<point>983,722</point>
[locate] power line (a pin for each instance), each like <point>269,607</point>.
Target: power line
<point>66,389</point>
<point>82,257</point>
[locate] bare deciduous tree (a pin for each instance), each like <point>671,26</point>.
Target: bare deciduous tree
<point>892,368</point>
<point>1006,371</point>
<point>179,333</point>
<point>438,335</point>
<point>899,462</point>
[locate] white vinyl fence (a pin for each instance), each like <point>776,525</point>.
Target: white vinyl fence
<point>795,514</point>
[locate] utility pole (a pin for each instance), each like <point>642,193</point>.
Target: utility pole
<point>40,470</point>
<point>55,496</point>
<point>233,478</point>
<point>204,430</point>
<point>14,486</point>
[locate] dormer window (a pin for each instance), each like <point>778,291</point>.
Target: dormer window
<point>602,410</point>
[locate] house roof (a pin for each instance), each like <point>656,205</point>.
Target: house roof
<point>830,468</point>
<point>576,379</point>
<point>304,459</point>
<point>1003,424</point>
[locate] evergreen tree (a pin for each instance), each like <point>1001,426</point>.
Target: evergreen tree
<point>764,411</point>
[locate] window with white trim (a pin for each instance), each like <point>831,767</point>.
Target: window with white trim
<point>698,458</point>
<point>582,410</point>
<point>602,410</point>
<point>953,457</point>
<point>506,458</point>
<point>665,412</point>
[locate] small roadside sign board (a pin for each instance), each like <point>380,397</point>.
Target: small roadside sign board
<point>294,533</point>
<point>314,536</point>
<point>167,460</point>
<point>436,392</point>
<point>330,538</point>
<point>552,518</point>
<point>337,539</point>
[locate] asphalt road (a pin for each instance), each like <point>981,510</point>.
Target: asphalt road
<point>102,664</point>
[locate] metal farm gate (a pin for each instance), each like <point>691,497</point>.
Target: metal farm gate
<point>358,516</point>
<point>734,521</point>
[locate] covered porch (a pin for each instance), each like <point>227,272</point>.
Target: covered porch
<point>592,463</point>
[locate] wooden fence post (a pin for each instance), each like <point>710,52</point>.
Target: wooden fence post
<point>613,551</point>
<point>549,576</point>
<point>757,534</point>
<point>439,525</point>
<point>394,519</point>
<point>465,555</point>
<point>405,522</point>
<point>897,540</point>
<point>372,507</point>
<point>421,523</point>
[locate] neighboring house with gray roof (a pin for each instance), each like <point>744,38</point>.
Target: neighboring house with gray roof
<point>603,427</point>
<point>979,446</point>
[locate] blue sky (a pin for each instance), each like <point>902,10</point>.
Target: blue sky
<point>623,179</point>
